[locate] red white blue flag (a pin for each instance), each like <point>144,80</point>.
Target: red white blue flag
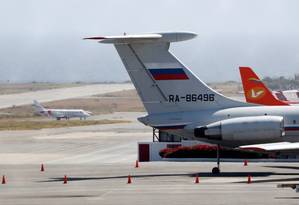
<point>168,74</point>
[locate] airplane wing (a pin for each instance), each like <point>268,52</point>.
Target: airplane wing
<point>280,146</point>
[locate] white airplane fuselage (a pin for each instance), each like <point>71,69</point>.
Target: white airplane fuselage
<point>65,113</point>
<point>190,120</point>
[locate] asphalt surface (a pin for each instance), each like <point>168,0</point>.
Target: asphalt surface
<point>98,159</point>
<point>152,183</point>
<point>95,144</point>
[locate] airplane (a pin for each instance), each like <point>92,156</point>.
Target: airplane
<point>289,95</point>
<point>178,102</point>
<point>279,95</point>
<point>60,113</point>
<point>256,91</point>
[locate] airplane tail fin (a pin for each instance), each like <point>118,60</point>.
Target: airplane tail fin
<point>163,83</point>
<point>255,90</point>
<point>37,106</point>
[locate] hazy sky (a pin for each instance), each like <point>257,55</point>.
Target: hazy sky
<point>40,40</point>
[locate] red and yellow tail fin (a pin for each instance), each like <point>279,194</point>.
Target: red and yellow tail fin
<point>255,90</point>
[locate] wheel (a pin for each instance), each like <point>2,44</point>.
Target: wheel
<point>215,170</point>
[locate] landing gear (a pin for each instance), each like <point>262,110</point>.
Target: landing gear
<point>216,170</point>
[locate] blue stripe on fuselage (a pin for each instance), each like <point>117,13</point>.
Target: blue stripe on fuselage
<point>167,71</point>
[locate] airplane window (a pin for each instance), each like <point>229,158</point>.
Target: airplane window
<point>294,121</point>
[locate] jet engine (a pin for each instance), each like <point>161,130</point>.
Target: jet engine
<point>243,129</point>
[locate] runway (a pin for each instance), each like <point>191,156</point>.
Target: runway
<point>87,144</point>
<point>60,94</point>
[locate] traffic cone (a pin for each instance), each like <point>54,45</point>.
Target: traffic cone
<point>136,164</point>
<point>249,180</point>
<point>42,168</point>
<point>129,179</point>
<point>245,162</point>
<point>65,179</point>
<point>3,179</point>
<point>196,179</point>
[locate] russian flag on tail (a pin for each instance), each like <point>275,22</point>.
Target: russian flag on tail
<point>168,74</point>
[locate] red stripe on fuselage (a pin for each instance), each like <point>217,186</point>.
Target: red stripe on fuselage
<point>291,128</point>
<point>170,76</point>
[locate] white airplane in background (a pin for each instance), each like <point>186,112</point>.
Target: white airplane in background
<point>60,113</point>
<point>289,95</point>
<point>178,102</point>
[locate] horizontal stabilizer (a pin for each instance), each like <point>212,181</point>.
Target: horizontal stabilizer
<point>145,38</point>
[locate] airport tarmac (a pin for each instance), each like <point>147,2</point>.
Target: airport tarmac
<point>152,183</point>
<point>86,144</point>
<point>98,159</point>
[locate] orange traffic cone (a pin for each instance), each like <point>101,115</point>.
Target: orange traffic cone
<point>129,179</point>
<point>245,162</point>
<point>136,164</point>
<point>3,179</point>
<point>42,168</point>
<point>249,180</point>
<point>65,179</point>
<point>196,179</point>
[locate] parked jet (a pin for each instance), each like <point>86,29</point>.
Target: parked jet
<point>288,95</point>
<point>60,113</point>
<point>256,91</point>
<point>178,102</point>
<point>279,95</point>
